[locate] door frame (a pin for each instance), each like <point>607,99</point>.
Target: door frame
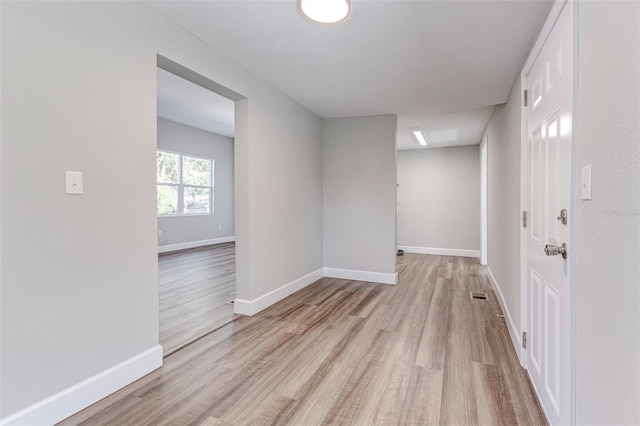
<point>484,199</point>
<point>240,166</point>
<point>554,13</point>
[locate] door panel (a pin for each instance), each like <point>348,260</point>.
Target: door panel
<point>552,179</point>
<point>554,67</point>
<point>535,345</point>
<point>552,344</point>
<point>537,185</point>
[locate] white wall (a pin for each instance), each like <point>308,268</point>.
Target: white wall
<point>79,273</point>
<point>608,227</point>
<point>503,132</point>
<point>178,137</point>
<point>359,163</point>
<point>440,199</point>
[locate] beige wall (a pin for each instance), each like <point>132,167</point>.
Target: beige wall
<point>359,163</point>
<point>503,132</point>
<point>608,227</point>
<point>439,198</point>
<point>79,273</point>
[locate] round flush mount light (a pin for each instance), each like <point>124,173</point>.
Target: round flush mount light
<point>325,11</point>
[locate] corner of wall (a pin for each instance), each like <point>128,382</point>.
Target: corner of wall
<point>252,307</point>
<point>514,333</point>
<point>81,395</point>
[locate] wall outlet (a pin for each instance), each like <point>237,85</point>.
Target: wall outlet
<point>219,227</point>
<point>160,233</point>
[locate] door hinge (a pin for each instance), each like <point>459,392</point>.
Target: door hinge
<point>525,97</point>
<point>524,339</point>
<point>524,218</point>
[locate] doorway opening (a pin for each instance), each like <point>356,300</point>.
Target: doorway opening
<point>484,199</point>
<point>195,205</point>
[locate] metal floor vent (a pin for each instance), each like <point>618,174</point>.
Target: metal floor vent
<point>474,295</point>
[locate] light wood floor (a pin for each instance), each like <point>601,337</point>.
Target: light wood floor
<point>196,286</point>
<point>344,352</point>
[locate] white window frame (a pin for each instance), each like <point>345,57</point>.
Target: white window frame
<point>181,186</point>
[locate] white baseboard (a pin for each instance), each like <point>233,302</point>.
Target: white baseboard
<point>193,244</point>
<point>513,331</point>
<point>441,251</point>
<point>252,307</point>
<point>81,395</point>
<point>351,274</point>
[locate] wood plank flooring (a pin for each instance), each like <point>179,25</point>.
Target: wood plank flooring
<point>195,288</point>
<point>346,353</point>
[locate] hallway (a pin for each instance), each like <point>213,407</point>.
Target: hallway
<point>346,352</point>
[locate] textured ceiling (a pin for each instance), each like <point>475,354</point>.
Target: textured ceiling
<point>418,59</point>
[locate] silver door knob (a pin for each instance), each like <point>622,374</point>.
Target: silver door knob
<point>551,250</point>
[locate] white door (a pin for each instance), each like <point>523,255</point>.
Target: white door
<point>548,120</point>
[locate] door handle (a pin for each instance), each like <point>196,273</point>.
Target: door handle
<point>552,250</point>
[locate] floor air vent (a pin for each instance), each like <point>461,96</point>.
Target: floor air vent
<point>474,295</point>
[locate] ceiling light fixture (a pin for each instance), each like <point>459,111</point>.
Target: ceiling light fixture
<point>325,11</point>
<point>417,133</point>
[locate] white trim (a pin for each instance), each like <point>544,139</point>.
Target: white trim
<point>63,404</point>
<point>368,276</point>
<point>514,333</point>
<point>484,199</point>
<point>573,210</point>
<point>552,17</point>
<point>252,307</point>
<point>193,244</point>
<point>524,203</point>
<point>441,251</point>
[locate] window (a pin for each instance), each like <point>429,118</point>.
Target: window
<point>184,184</point>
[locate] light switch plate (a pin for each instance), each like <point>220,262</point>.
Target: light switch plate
<point>73,182</point>
<point>585,184</point>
